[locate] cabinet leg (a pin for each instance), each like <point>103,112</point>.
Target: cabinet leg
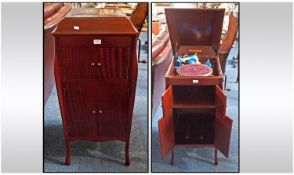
<point>215,156</point>
<point>227,89</point>
<point>67,158</point>
<point>127,156</point>
<point>172,160</point>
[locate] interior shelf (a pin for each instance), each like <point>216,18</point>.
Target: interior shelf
<point>194,97</point>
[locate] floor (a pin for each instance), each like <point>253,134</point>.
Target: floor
<point>103,156</point>
<point>202,159</point>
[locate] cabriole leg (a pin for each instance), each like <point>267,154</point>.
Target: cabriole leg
<point>172,160</point>
<point>127,156</point>
<point>67,158</point>
<point>215,156</point>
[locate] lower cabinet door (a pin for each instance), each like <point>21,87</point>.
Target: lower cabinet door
<point>112,108</point>
<point>96,107</point>
<point>223,129</point>
<point>165,124</point>
<point>81,110</point>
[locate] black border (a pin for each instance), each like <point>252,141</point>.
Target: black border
<point>238,86</point>
<point>148,62</point>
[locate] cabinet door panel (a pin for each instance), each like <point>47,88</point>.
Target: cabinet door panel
<point>114,62</point>
<point>221,101</point>
<point>112,108</point>
<point>95,63</point>
<point>165,124</point>
<point>223,129</point>
<point>81,109</point>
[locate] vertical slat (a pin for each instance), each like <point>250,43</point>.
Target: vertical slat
<point>77,63</point>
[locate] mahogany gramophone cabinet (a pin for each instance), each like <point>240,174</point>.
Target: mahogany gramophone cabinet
<point>96,73</point>
<point>194,107</point>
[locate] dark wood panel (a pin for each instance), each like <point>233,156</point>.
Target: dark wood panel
<point>194,128</point>
<point>112,109</point>
<point>95,63</point>
<point>81,108</point>
<point>204,28</point>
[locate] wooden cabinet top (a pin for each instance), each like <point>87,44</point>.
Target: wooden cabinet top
<point>195,29</point>
<point>91,21</point>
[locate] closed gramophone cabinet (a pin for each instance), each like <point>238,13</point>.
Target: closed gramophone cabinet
<point>194,107</point>
<point>96,74</point>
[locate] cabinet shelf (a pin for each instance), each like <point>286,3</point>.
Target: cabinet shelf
<point>194,97</point>
<point>193,105</point>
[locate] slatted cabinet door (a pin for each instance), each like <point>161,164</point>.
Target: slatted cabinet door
<point>223,124</point>
<point>166,125</point>
<point>111,63</point>
<point>112,108</point>
<point>81,108</point>
<point>95,62</point>
<point>78,63</point>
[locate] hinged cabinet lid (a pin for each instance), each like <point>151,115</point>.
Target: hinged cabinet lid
<point>95,22</point>
<point>194,28</point>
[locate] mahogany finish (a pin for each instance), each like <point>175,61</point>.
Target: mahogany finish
<point>194,108</point>
<point>96,74</point>
<point>200,34</point>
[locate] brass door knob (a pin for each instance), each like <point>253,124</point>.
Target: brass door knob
<point>94,111</point>
<point>92,64</point>
<point>100,112</point>
<point>99,64</point>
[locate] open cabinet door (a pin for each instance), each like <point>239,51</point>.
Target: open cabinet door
<point>165,124</point>
<point>223,129</point>
<point>221,102</point>
<point>223,124</point>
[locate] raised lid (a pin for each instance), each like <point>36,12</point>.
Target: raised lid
<point>195,27</point>
<point>95,22</point>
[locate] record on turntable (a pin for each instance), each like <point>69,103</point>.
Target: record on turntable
<point>194,70</point>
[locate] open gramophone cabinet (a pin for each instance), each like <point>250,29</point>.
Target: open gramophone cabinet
<point>194,107</point>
